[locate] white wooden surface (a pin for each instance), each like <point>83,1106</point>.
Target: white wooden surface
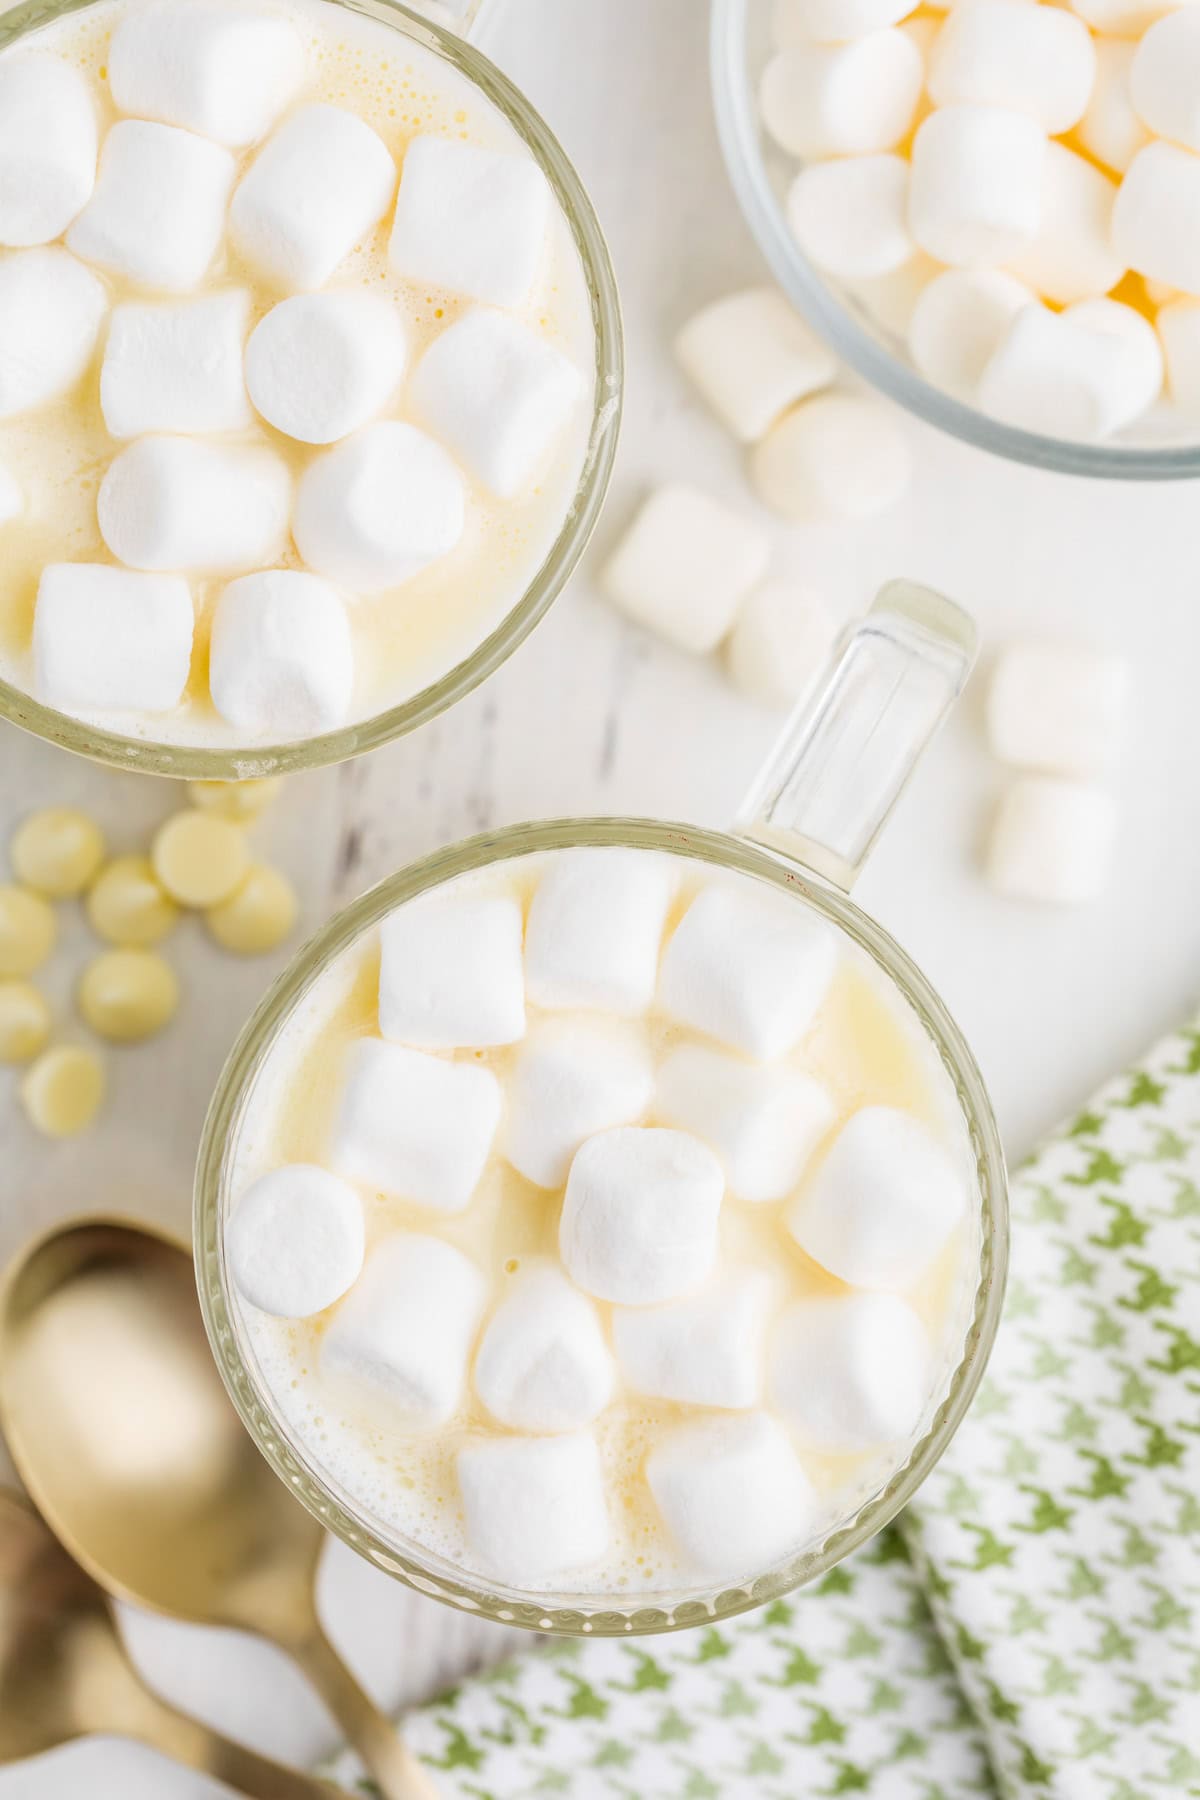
<point>591,716</point>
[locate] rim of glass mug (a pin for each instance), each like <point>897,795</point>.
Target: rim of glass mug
<point>235,763</point>
<point>740,133</point>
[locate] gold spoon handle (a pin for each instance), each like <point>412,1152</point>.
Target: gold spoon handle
<point>397,1773</point>
<point>187,1741</point>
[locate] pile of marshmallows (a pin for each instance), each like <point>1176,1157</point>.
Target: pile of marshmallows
<point>638,1285</point>
<point>198,489</point>
<point>987,181</point>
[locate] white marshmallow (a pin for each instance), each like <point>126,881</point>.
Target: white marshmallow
<point>470,220</point>
<point>749,967</point>
<point>572,1078</point>
<point>406,1328</point>
<point>639,1219</point>
<point>976,190</point>
<point>1156,216</point>
<point>732,1493</point>
<point>498,395</point>
<point>833,21</point>
<point>534,1506</point>
<point>1052,840</point>
<point>1179,332</point>
<point>960,320</point>
<point>223,70</point>
<point>1076,374</point>
<point>542,1363</point>
<point>176,367</point>
<point>319,365</point>
<point>1057,707</point>
<point>1035,59</point>
<point>1072,256</point>
<point>851,1373</point>
<point>12,499</point>
<point>318,186</point>
<point>595,927</point>
<point>1138,368</point>
<point>882,1203</point>
<point>157,214</point>
<point>281,657</point>
<point>1110,130</point>
<point>850,216</point>
<point>50,313</point>
<point>1122,18</point>
<point>107,640</point>
<point>764,1124</point>
<point>705,1350</point>
<point>751,357</point>
<point>843,99</point>
<point>415,1126</point>
<point>296,1241</point>
<point>833,457</point>
<point>780,642</point>
<point>450,971</point>
<point>889,299</point>
<point>175,503</point>
<point>1164,78</point>
<point>685,565</point>
<point>379,507</point>
<point>47,147</point>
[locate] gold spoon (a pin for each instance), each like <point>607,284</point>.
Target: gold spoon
<point>123,1433</point>
<point>64,1672</point>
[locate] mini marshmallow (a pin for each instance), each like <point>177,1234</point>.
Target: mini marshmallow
<point>573,1078</point>
<point>1035,59</point>
<point>414,1126</point>
<point>157,215</point>
<point>296,1241</point>
<point>1110,130</point>
<point>405,1330</point>
<point>1164,78</point>
<point>498,395</point>
<point>882,1202</point>
<point>685,565</point>
<point>751,357</point>
<point>223,70</point>
<point>851,1373</point>
<point>450,970</point>
<point>175,503</point>
<point>850,216</point>
<point>176,367</point>
<point>534,1506</point>
<point>1052,840</point>
<point>470,220</point>
<point>780,643</point>
<point>732,1494</point>
<point>1156,216</point>
<point>833,21</point>
<point>319,365</point>
<point>1071,257</point>
<point>1076,374</point>
<point>12,500</point>
<point>843,99</point>
<point>1120,18</point>
<point>639,1218</point>
<point>1138,368</point>
<point>595,928</point>
<point>960,321</point>
<point>1057,707</point>
<point>50,313</point>
<point>705,1350</point>
<point>833,457</point>
<point>281,657</point>
<point>47,148</point>
<point>749,967</point>
<point>107,640</point>
<point>1179,333</point>
<point>320,183</point>
<point>379,507</point>
<point>543,1364</point>
<point>976,189</point>
<point>764,1124</point>
<point>889,299</point>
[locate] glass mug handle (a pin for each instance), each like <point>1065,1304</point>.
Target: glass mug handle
<point>847,750</point>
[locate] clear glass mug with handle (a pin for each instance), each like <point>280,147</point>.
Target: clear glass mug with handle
<point>805,831</point>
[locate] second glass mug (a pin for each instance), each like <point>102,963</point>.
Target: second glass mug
<point>805,830</point>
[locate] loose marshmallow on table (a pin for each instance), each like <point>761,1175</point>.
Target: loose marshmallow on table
<point>534,1506</point>
<point>850,216</point>
<point>1179,333</point>
<point>319,184</point>
<point>176,366</point>
<point>850,1372</point>
<point>1110,129</point>
<point>296,1241</point>
<point>542,1363</point>
<point>780,642</point>
<point>572,1078</point>
<point>764,1124</point>
<point>12,499</point>
<point>223,70</point>
<point>685,565</point>
<point>1156,216</point>
<point>1071,257</point>
<point>843,99</point>
<point>882,1202</point>
<point>47,147</point>
<point>415,1126</point>
<point>594,930</point>
<point>318,365</point>
<point>703,1350</point>
<point>751,356</point>
<point>470,220</point>
<point>960,320</point>
<point>1082,373</point>
<point>1057,707</point>
<point>50,313</point>
<point>1164,79</point>
<point>1052,840</point>
<point>1036,59</point>
<point>833,457</point>
<point>107,640</point>
<point>732,1494</point>
<point>639,1219</point>
<point>833,21</point>
<point>976,189</point>
<point>176,503</point>
<point>158,211</point>
<point>406,1328</point>
<point>450,971</point>
<point>379,507</point>
<point>281,657</point>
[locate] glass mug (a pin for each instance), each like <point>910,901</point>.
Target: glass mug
<point>805,831</point>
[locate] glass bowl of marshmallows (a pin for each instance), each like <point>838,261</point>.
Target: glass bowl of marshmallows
<point>991,212</point>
